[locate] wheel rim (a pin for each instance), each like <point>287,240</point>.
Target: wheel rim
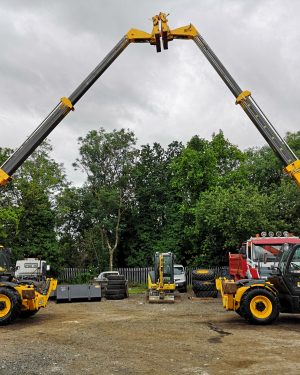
<point>5,305</point>
<point>261,307</point>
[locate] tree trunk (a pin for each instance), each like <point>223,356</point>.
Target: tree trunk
<point>105,239</point>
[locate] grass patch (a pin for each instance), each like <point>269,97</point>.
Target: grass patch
<point>137,288</point>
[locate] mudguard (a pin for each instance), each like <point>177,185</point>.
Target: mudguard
<point>259,283</point>
<point>8,283</point>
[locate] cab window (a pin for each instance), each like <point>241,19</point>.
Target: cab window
<point>295,262</point>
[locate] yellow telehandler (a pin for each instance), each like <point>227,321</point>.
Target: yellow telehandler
<point>20,298</point>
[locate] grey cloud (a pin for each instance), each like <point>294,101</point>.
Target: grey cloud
<point>48,48</point>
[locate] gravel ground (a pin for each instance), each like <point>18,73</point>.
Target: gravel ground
<point>134,337</point>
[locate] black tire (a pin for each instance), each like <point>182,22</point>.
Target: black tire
<point>116,287</point>
<point>238,311</point>
<point>259,306</point>
<point>116,282</point>
<point>203,274</point>
<point>112,292</point>
<point>10,305</point>
<point>206,294</point>
<point>204,285</point>
<point>27,313</point>
<point>115,296</point>
<point>115,277</point>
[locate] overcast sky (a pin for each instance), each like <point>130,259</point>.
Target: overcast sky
<point>49,47</point>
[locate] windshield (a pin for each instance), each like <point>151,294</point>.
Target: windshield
<point>5,262</point>
<point>283,260</point>
<point>267,253</point>
<point>178,270</point>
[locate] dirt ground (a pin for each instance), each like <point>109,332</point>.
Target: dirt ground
<point>134,337</point>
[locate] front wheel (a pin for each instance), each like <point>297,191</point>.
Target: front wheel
<point>10,305</point>
<point>259,306</point>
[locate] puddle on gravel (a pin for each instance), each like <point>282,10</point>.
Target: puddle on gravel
<point>222,333</point>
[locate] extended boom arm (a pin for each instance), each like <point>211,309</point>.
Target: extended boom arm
<point>264,126</point>
<point>67,104</point>
<point>160,31</point>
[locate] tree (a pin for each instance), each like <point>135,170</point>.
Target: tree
<point>153,205</point>
<point>28,217</point>
<point>225,217</point>
<point>107,159</point>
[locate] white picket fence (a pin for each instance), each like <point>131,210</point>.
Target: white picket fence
<point>133,275</point>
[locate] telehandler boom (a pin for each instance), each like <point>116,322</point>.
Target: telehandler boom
<point>160,31</point>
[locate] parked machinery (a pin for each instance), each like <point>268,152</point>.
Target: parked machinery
<point>31,269</point>
<point>161,285</point>
<point>258,255</point>
<point>261,301</point>
<point>20,297</point>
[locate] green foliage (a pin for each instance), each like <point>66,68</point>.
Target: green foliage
<point>108,160</point>
<point>227,216</point>
<point>28,218</point>
<point>151,215</point>
<point>198,201</point>
<point>135,288</point>
<point>9,224</point>
<point>82,278</point>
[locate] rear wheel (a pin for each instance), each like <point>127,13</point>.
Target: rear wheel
<point>259,306</point>
<point>10,305</point>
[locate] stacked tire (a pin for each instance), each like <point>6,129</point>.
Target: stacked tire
<point>203,283</point>
<point>117,287</point>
